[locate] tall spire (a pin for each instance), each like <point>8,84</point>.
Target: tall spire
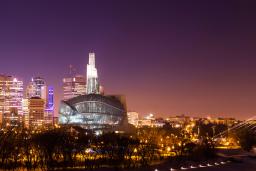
<point>92,86</point>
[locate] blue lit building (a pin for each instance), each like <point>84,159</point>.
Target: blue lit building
<point>49,110</point>
<point>50,100</point>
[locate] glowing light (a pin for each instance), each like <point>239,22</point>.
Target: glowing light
<point>168,149</point>
<point>201,165</point>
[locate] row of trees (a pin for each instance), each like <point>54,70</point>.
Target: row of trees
<point>67,148</point>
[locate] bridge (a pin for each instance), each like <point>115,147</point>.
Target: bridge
<point>249,125</point>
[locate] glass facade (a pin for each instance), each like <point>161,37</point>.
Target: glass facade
<point>92,111</point>
<point>11,94</point>
<point>74,86</point>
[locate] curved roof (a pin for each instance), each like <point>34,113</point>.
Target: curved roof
<point>110,100</point>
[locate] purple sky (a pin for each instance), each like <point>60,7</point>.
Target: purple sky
<point>167,57</point>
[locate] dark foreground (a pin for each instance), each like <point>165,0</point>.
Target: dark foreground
<point>244,164</point>
<point>230,161</point>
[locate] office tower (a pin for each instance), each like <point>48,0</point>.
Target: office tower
<point>36,107</point>
<point>37,88</point>
<point>11,94</point>
<point>74,86</point>
<point>133,118</point>
<point>50,102</point>
<point>92,86</point>
<point>49,111</point>
<point>25,102</point>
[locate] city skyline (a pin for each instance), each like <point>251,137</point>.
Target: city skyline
<point>147,55</point>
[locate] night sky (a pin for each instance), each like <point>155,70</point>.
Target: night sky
<point>167,57</point>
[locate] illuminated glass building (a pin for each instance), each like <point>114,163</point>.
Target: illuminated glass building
<point>25,108</point>
<point>74,86</point>
<point>93,110</point>
<point>36,107</point>
<point>11,94</point>
<point>49,110</point>
<point>50,101</point>
<point>37,88</point>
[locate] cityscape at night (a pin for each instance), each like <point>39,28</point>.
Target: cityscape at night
<point>129,85</point>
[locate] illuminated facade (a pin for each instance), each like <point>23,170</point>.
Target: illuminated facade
<point>93,111</point>
<point>150,121</point>
<point>74,86</point>
<point>36,107</point>
<point>37,88</point>
<point>25,111</point>
<point>133,118</point>
<point>93,86</point>
<point>11,94</point>
<point>49,111</point>
<point>50,101</point>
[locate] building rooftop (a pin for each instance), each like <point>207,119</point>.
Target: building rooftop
<point>110,100</point>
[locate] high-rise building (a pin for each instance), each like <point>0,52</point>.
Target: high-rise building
<point>92,86</point>
<point>74,86</point>
<point>11,94</point>
<point>49,111</point>
<point>36,108</point>
<point>50,101</point>
<point>37,88</point>
<point>25,102</point>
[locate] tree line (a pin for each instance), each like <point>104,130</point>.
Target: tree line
<point>67,147</point>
